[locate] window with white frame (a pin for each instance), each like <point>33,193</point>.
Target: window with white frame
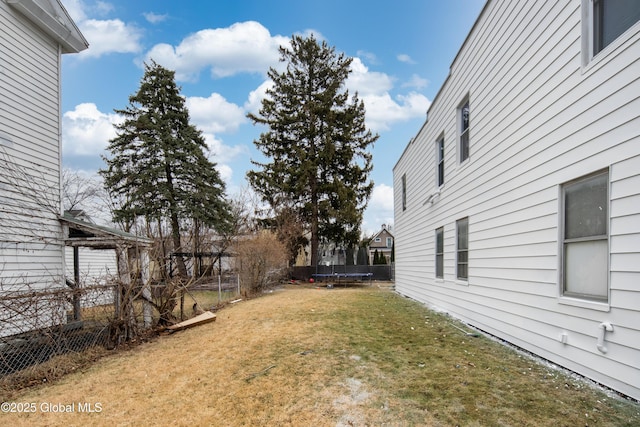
<point>440,160</point>
<point>462,248</point>
<point>389,242</point>
<point>585,238</point>
<point>606,21</point>
<point>440,253</point>
<point>463,127</point>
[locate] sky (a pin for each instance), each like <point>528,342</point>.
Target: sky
<point>221,52</point>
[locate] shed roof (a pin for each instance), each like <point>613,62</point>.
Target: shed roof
<point>83,233</point>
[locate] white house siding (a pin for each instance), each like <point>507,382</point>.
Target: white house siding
<point>540,117</point>
<point>98,268</point>
<point>31,236</point>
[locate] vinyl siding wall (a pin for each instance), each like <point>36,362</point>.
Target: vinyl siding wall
<point>540,117</point>
<point>31,241</point>
<point>98,268</point>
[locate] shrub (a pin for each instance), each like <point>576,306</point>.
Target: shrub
<point>262,261</point>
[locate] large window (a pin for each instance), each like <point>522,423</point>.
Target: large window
<point>440,253</point>
<point>611,18</point>
<point>440,157</point>
<point>585,237</point>
<point>463,120</point>
<point>462,249</point>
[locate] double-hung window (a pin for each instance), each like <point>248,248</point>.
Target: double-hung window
<point>585,241</point>
<point>440,253</point>
<point>440,157</point>
<point>463,120</point>
<point>462,249</point>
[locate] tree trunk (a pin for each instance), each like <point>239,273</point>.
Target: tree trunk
<point>175,224</point>
<point>314,220</point>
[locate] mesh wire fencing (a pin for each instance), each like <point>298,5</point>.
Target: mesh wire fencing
<point>40,328</point>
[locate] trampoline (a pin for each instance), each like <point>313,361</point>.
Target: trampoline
<point>347,277</point>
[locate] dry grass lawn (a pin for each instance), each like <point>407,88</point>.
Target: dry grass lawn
<point>303,356</point>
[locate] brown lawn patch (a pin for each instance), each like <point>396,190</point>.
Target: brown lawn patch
<point>319,357</point>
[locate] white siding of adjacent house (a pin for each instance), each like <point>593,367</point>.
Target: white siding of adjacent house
<point>31,244</point>
<point>540,117</point>
<point>98,268</point>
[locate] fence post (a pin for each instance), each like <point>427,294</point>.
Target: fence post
<point>238,277</point>
<point>219,289</point>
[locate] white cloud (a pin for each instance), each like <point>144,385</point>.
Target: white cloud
<point>370,57</point>
<point>109,36</point>
<point>380,209</point>
<point>382,111</point>
<point>405,58</point>
<point>215,114</point>
<point>254,100</point>
<point>367,82</point>
<point>416,82</point>
<point>242,47</point>
<point>75,8</point>
<point>104,35</point>
<point>221,153</point>
<point>86,131</point>
<point>155,18</point>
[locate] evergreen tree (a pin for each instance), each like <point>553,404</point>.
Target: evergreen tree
<point>363,257</point>
<point>316,144</point>
<point>393,252</point>
<point>158,165</point>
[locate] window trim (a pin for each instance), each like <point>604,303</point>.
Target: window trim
<point>575,298</point>
<point>439,232</point>
<point>404,192</point>
<point>462,132</point>
<point>589,56</point>
<point>440,169</point>
<point>458,250</point>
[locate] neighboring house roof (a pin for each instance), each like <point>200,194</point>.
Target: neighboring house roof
<point>382,234</point>
<point>53,19</point>
<point>82,233</point>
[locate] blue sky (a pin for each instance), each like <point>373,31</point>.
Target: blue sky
<point>221,51</point>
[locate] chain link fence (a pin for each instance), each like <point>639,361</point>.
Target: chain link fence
<point>44,332</point>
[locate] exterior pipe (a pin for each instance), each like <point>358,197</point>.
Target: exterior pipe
<point>604,327</point>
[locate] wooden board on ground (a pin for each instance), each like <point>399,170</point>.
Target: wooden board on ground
<point>200,319</point>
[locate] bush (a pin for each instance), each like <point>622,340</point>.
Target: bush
<point>262,261</point>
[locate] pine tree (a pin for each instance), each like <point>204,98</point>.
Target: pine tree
<point>316,144</point>
<point>158,164</point>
